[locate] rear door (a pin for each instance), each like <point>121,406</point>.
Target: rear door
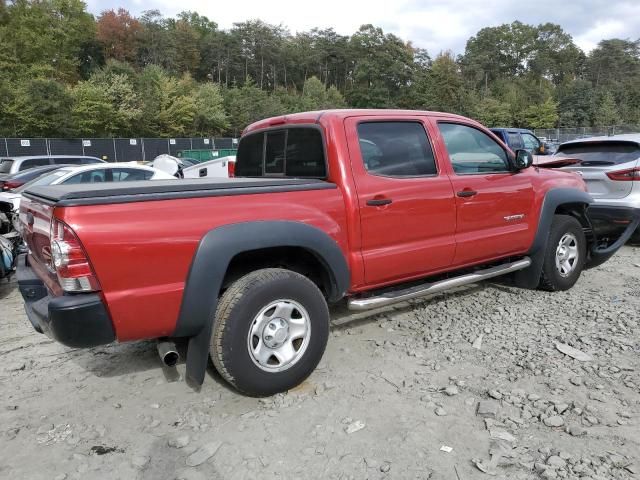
<point>405,199</point>
<point>494,203</point>
<point>601,164</point>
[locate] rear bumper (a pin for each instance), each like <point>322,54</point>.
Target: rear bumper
<point>613,227</point>
<point>79,320</point>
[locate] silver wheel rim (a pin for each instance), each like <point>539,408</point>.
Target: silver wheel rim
<point>567,254</point>
<point>279,335</point>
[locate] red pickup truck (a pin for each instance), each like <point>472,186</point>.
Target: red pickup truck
<point>378,206</point>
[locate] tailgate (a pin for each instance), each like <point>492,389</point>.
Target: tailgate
<point>35,219</point>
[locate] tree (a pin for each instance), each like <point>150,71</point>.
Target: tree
<point>169,106</point>
<point>105,105</point>
<point>40,108</point>
<point>44,34</point>
<point>493,112</point>
<point>119,33</point>
<point>541,115</point>
<point>606,112</point>
<point>210,117</point>
<point>248,103</point>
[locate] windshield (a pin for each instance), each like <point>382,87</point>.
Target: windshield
<point>601,153</point>
<point>44,180</point>
<point>5,165</point>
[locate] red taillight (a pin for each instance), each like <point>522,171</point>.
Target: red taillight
<point>70,261</point>
<point>10,185</point>
<point>231,169</point>
<point>628,175</point>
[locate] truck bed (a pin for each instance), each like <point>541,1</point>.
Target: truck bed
<point>143,191</point>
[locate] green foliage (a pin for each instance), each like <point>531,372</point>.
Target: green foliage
<point>66,73</point>
<point>210,117</point>
<point>541,115</point>
<point>493,112</point>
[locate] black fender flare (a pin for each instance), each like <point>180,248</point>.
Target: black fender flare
<point>211,260</point>
<point>554,198</point>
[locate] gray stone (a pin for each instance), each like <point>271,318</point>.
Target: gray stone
<point>554,421</point>
<point>441,412</point>
<point>488,408</point>
<point>140,461</point>
<point>203,454</point>
<point>179,441</point>
<point>556,462</point>
<point>495,394</point>
<point>451,390</point>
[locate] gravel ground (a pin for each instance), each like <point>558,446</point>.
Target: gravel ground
<point>470,384</point>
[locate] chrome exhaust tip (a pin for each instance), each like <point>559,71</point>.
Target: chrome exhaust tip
<point>168,353</point>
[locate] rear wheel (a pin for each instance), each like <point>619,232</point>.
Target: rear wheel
<point>565,255</point>
<point>270,331</point>
<point>635,238</point>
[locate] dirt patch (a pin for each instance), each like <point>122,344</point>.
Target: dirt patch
<point>489,381</point>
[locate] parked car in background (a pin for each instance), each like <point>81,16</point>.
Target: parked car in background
<point>610,166</point>
<point>16,180</point>
<point>63,175</point>
<point>222,167</point>
<point>521,138</point>
<point>9,165</point>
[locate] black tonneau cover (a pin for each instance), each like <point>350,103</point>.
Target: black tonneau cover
<point>149,190</point>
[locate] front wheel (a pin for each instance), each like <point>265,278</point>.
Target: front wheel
<point>270,331</point>
<point>565,256</point>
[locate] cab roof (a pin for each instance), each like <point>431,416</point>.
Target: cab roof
<point>341,114</point>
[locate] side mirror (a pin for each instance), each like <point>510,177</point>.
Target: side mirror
<point>523,159</point>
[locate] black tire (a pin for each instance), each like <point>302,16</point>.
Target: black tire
<point>238,307</point>
<point>635,237</point>
<point>551,279</point>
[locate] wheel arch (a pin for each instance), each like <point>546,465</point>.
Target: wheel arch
<point>216,253</point>
<point>558,201</point>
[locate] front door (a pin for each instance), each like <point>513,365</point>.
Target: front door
<point>406,202</point>
<point>494,202</point>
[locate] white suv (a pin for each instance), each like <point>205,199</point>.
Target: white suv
<point>610,166</point>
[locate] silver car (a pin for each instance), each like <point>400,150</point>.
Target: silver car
<point>610,166</point>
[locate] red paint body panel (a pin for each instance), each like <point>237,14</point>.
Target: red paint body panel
<point>141,252</point>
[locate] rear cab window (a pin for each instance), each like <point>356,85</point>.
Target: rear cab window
<point>295,151</point>
<point>601,154</point>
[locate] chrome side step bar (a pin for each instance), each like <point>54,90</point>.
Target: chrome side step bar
<point>367,303</point>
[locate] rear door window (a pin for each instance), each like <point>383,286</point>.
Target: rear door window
<point>396,149</point>
<point>292,152</point>
<point>67,161</point>
<point>515,140</point>
<point>92,176</point>
<point>33,162</point>
<point>130,174</point>
<point>601,153</point>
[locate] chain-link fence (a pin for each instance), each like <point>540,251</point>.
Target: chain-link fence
<point>560,135</point>
<point>111,149</point>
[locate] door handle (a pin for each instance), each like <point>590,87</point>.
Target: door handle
<point>379,202</point>
<point>467,193</point>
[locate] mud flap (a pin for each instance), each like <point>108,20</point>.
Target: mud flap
<point>198,357</point>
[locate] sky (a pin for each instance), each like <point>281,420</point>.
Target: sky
<point>436,25</point>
